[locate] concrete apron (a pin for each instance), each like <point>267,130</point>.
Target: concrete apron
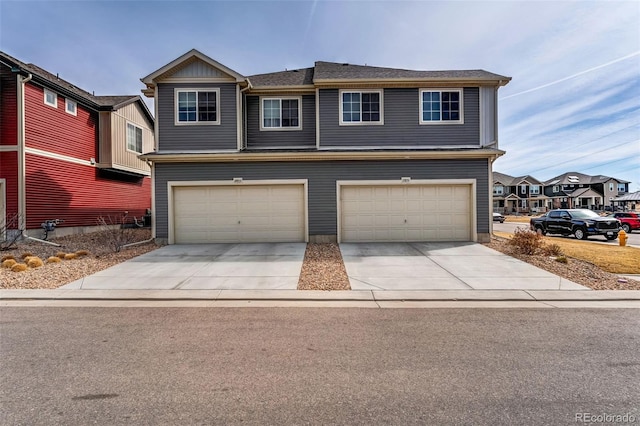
<point>440,266</point>
<point>370,266</point>
<point>204,267</point>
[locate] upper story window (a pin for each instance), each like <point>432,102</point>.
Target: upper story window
<point>441,106</point>
<point>523,189</point>
<point>534,189</point>
<point>610,186</point>
<point>498,190</point>
<point>50,98</point>
<point>134,138</point>
<point>622,187</point>
<point>556,188</point>
<point>281,114</point>
<point>361,107</point>
<point>70,107</point>
<point>197,106</point>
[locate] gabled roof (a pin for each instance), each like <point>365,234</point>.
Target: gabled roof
<point>331,71</point>
<point>299,77</point>
<point>584,192</point>
<point>632,196</point>
<point>54,82</point>
<point>512,181</point>
<point>185,59</point>
<point>575,178</point>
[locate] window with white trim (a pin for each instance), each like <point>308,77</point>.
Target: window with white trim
<point>134,138</point>
<point>610,186</point>
<point>556,188</point>
<point>361,107</point>
<point>280,114</point>
<point>197,106</point>
<point>622,187</point>
<point>534,189</point>
<point>523,189</point>
<point>498,190</point>
<point>441,106</point>
<point>50,98</point>
<point>70,107</point>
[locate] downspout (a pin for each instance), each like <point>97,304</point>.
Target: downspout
<point>22,166</point>
<point>22,190</point>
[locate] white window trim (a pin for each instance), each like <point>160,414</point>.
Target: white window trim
<point>441,122</point>
<point>126,141</point>
<point>282,98</point>
<point>361,123</point>
<point>196,89</point>
<point>556,188</point>
<point>68,102</point>
<point>55,98</point>
<point>498,190</point>
<point>535,190</point>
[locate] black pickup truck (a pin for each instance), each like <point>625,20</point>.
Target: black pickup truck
<point>580,222</point>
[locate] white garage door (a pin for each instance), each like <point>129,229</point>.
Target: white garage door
<point>406,213</point>
<point>239,213</point>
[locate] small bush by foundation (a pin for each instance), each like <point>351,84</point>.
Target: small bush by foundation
<point>26,254</point>
<point>8,263</point>
<point>7,257</point>
<point>61,254</point>
<point>19,267</point>
<point>35,262</point>
<point>54,259</point>
<point>70,256</point>
<point>526,242</point>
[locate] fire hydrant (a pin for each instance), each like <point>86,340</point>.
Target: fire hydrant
<point>622,238</point>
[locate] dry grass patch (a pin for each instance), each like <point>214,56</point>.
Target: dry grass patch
<point>610,258</point>
<point>518,219</point>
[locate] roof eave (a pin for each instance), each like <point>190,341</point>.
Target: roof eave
<point>421,81</point>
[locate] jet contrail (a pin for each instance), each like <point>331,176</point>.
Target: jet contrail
<point>631,55</point>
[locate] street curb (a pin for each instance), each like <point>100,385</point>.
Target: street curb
<point>326,296</point>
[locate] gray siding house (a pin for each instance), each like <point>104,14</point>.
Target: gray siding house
<point>334,152</point>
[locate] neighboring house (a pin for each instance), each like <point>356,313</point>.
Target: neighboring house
<point>335,152</point>
<point>577,190</point>
<point>523,194</point>
<point>67,154</point>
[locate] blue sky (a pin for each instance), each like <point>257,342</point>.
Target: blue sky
<point>573,103</point>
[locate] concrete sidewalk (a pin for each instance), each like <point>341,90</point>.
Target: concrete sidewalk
<point>344,299</point>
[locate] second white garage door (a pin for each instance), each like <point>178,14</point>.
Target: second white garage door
<point>239,213</point>
<point>406,213</point>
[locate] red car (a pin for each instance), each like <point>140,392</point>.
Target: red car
<point>630,221</point>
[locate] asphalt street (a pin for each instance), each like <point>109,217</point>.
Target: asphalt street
<point>157,366</point>
<point>510,227</point>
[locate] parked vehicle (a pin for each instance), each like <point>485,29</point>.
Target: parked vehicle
<point>629,221</point>
<point>497,217</point>
<point>582,223</point>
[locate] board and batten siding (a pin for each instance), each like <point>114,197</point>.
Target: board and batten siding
<point>194,137</point>
<point>322,177</point>
<point>401,126</point>
<point>305,138</point>
<point>113,139</point>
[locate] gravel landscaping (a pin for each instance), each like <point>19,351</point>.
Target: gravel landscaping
<point>322,269</point>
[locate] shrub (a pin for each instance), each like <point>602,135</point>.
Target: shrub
<point>70,256</point>
<point>26,254</point>
<point>526,242</point>
<point>35,262</point>
<point>552,250</point>
<point>81,253</point>
<point>562,259</point>
<point>61,254</point>
<point>7,257</point>
<point>54,259</point>
<point>114,232</point>
<point>8,263</point>
<point>19,267</point>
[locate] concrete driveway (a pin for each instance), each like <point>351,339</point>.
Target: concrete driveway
<point>370,266</point>
<point>204,266</point>
<point>443,266</point>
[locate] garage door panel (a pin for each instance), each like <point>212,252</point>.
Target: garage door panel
<point>247,213</point>
<point>406,213</point>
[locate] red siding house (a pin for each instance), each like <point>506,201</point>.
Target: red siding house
<point>67,154</point>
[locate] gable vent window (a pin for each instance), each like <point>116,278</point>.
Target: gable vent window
<point>50,98</point>
<point>361,107</point>
<point>197,106</point>
<point>70,107</point>
<point>441,106</point>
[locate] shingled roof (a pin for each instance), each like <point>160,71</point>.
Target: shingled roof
<point>331,71</point>
<point>48,79</point>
